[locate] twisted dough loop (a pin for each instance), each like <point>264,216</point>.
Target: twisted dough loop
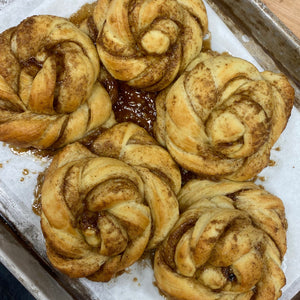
<point>147,43</point>
<point>49,94</point>
<point>222,116</point>
<point>228,243</point>
<point>93,218</point>
<point>133,145</point>
<point>100,213</point>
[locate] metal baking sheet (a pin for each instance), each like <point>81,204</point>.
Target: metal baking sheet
<point>246,29</point>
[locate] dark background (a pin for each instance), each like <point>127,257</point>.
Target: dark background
<point>11,288</point>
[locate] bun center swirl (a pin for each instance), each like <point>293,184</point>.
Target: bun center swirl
<point>147,43</point>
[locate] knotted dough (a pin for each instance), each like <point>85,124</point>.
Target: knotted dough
<point>101,210</point>
<point>228,243</point>
<point>222,116</point>
<point>49,93</point>
<point>147,43</point>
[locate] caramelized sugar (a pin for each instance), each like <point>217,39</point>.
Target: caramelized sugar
<point>25,172</point>
<point>272,163</point>
<point>131,104</point>
<point>206,45</point>
<point>148,257</point>
<point>89,220</point>
<point>228,274</point>
<point>37,203</point>
<point>186,176</point>
<point>39,153</point>
<point>261,178</point>
<point>37,207</point>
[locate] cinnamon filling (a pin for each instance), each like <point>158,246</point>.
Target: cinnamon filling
<point>89,220</point>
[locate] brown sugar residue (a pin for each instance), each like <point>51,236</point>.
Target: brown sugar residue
<point>147,259</point>
<point>88,140</point>
<point>277,149</point>
<point>37,203</point>
<point>261,178</point>
<point>206,45</point>
<point>186,176</point>
<point>37,207</point>
<point>38,153</point>
<point>1,166</point>
<point>272,163</point>
<point>136,280</point>
<point>25,172</point>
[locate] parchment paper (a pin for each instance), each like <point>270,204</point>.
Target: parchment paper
<point>19,171</point>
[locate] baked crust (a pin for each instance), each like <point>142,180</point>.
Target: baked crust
<point>101,210</point>
<point>49,93</point>
<point>148,43</point>
<point>228,243</point>
<point>222,116</point>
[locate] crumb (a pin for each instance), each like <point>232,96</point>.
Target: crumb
<point>25,172</point>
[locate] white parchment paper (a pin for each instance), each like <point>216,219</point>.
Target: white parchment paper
<point>19,171</point>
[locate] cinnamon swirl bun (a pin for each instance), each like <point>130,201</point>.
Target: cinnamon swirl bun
<point>49,93</point>
<point>222,116</point>
<point>147,43</point>
<point>228,243</point>
<point>132,144</point>
<point>102,209</point>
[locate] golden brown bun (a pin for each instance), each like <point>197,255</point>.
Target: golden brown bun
<point>49,93</point>
<point>147,43</point>
<point>222,116</point>
<point>100,213</point>
<point>228,243</point>
<point>134,146</point>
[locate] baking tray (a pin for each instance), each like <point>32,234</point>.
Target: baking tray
<point>268,44</point>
